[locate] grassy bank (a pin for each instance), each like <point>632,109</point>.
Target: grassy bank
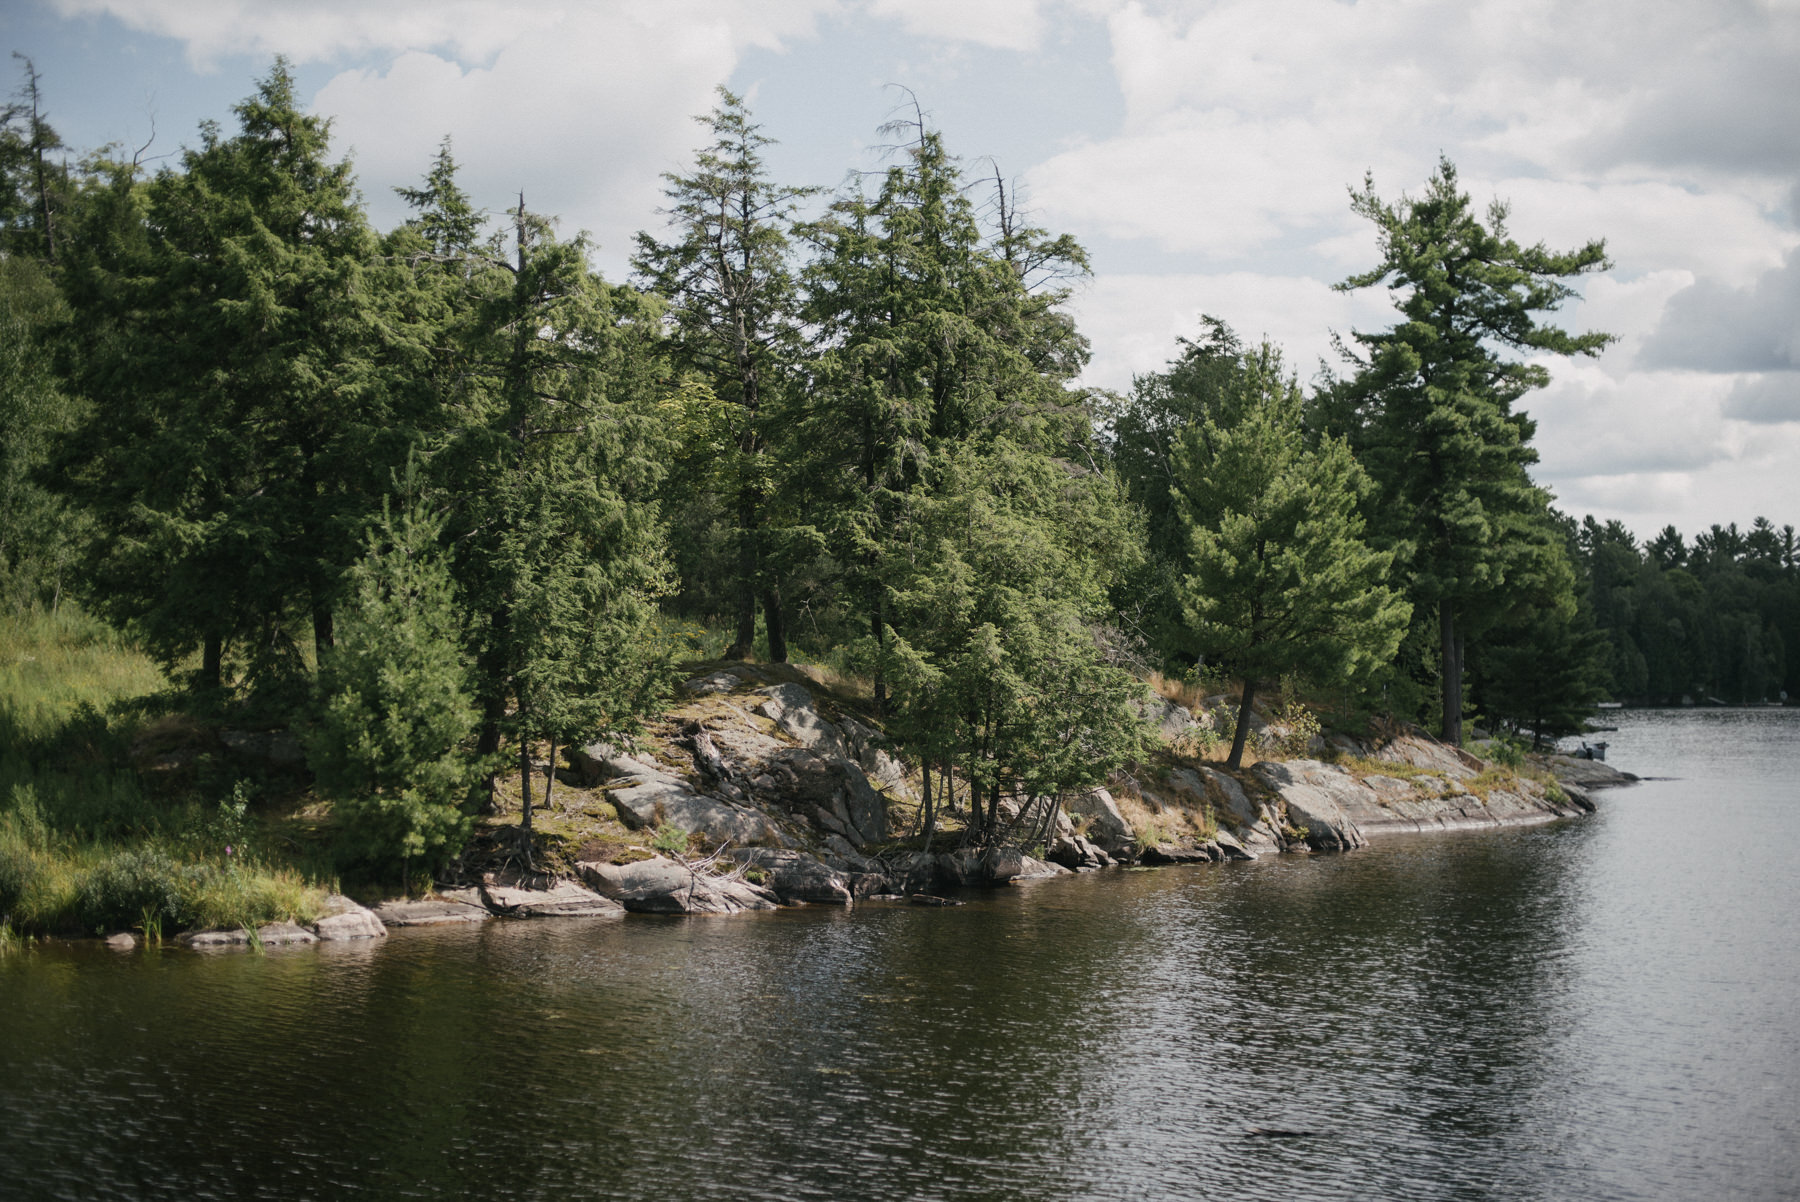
<point>97,832</point>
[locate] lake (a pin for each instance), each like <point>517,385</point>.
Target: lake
<point>1601,1008</point>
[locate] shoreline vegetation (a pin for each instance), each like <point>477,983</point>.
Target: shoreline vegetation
<point>798,566</point>
<point>758,785</point>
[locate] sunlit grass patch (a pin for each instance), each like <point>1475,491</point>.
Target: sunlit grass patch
<point>51,663</point>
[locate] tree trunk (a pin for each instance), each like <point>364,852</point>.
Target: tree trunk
<point>1450,646</point>
<point>323,637</point>
<point>492,662</point>
<point>525,793</point>
<point>1241,735</point>
<point>744,642</point>
<point>878,629</point>
<point>775,624</point>
<point>550,776</point>
<point>927,821</point>
<point>212,662</point>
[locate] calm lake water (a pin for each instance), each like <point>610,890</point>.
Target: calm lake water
<point>1603,1008</point>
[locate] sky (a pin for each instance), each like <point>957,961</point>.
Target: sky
<point>1204,153</point>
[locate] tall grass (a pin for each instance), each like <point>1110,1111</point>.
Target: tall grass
<point>52,663</point>
<point>84,845</point>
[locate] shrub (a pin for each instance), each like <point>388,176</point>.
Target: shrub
<point>1291,731</point>
<point>670,839</point>
<point>1507,751</point>
<point>130,887</point>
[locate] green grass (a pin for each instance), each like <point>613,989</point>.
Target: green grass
<point>53,663</point>
<point>89,845</point>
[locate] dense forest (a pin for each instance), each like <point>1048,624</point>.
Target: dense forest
<point>441,498</point>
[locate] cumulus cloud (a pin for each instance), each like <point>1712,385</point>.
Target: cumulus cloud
<point>1767,397</point>
<point>1710,327</point>
<point>581,106</point>
<point>1666,446</point>
<point>582,118</point>
<point>1246,119</point>
<point>315,30</point>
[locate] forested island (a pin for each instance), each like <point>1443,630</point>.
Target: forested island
<point>333,555</point>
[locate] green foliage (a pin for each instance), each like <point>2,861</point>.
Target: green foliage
<point>1282,581</point>
<point>123,889</point>
<point>1142,433</point>
<point>931,332</point>
<point>1291,730</point>
<point>551,476</point>
<point>237,433</point>
<point>1430,410</point>
<point>1003,669</point>
<point>34,191</point>
<point>394,708</point>
<point>734,323</point>
<point>1716,619</point>
<point>1507,752</point>
<point>40,535</point>
<point>670,840</point>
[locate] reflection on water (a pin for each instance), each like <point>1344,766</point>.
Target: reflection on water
<point>1598,1009</point>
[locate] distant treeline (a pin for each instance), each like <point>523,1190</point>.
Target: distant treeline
<point>442,495</point>
<point>1713,620</point>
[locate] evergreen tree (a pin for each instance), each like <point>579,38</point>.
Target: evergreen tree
<point>734,322</point>
<point>33,190</point>
<point>395,715</point>
<point>1004,671</point>
<point>1142,432</point>
<point>930,334</point>
<point>40,534</point>
<point>1282,580</point>
<point>553,466</point>
<point>1430,410</point>
<point>233,451</point>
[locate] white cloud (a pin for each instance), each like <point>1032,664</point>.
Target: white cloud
<point>1133,321</point>
<point>1246,120</point>
<point>1654,448</point>
<point>582,118</point>
<point>1715,328</point>
<point>1592,422</point>
<point>317,30</point>
<point>1648,225</point>
<point>1767,397</point>
<point>581,106</point>
<point>1003,24</point>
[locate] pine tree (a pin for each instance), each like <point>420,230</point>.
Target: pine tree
<point>1001,664</point>
<point>1142,432</point>
<point>33,191</point>
<point>930,335</point>
<point>240,436</point>
<point>395,715</point>
<point>40,534</point>
<point>553,465</point>
<point>734,322</point>
<point>1282,580</point>
<point>1430,410</point>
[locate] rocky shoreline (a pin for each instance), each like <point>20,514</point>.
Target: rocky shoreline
<point>791,795</point>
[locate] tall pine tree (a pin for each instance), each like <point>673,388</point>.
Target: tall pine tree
<point>734,321</point>
<point>1431,408</point>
